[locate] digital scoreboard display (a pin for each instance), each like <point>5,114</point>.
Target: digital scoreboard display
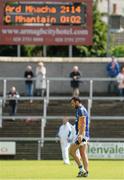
<point>58,13</point>
<point>46,22</point>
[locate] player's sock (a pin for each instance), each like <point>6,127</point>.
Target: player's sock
<point>81,168</point>
<point>80,173</point>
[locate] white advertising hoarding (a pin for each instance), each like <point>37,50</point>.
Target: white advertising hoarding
<point>106,150</point>
<point>7,148</point>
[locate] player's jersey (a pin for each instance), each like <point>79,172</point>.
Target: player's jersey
<point>81,111</point>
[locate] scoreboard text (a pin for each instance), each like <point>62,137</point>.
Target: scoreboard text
<point>46,22</point>
<point>45,13</point>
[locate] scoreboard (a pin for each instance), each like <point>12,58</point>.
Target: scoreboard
<point>59,13</point>
<point>46,22</point>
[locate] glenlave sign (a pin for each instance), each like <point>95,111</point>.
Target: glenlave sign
<point>46,22</point>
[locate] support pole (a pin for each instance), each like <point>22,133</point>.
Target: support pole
<point>45,110</point>
<point>18,51</point>
<point>0,113</point>
<point>48,91</point>
<point>44,51</point>
<point>4,91</point>
<point>108,32</point>
<point>39,151</point>
<point>70,51</point>
<point>91,91</point>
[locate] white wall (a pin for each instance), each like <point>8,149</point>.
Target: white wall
<point>103,7</point>
<point>56,67</point>
<point>120,6</point>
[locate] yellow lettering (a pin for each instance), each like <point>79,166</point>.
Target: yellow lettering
<point>9,9</point>
<point>18,9</point>
<point>40,9</point>
<point>7,19</point>
<point>37,19</point>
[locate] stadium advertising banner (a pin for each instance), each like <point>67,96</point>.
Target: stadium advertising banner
<point>46,22</point>
<point>106,150</point>
<point>7,148</point>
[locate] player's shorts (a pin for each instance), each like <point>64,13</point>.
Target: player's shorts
<point>84,141</point>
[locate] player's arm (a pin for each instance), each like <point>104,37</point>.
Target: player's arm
<point>81,128</point>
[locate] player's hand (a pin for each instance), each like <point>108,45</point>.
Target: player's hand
<point>57,140</point>
<point>29,76</point>
<point>75,77</point>
<point>69,140</point>
<point>80,138</point>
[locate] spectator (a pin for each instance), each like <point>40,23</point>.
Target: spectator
<point>75,76</point>
<point>29,83</point>
<point>113,69</point>
<point>120,81</point>
<point>40,79</point>
<point>13,95</point>
<point>65,135</point>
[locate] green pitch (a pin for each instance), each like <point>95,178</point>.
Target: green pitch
<point>56,170</point>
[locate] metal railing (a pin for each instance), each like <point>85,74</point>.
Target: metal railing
<point>11,79</point>
<point>90,98</point>
<point>48,98</point>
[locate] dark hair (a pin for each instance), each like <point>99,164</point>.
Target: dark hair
<point>75,98</point>
<point>121,68</point>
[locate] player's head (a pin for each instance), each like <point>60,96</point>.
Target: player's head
<point>113,59</point>
<point>13,89</point>
<point>40,64</point>
<point>75,102</point>
<point>75,68</point>
<point>29,68</point>
<point>65,120</point>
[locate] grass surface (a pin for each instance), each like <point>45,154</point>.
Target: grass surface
<point>28,170</point>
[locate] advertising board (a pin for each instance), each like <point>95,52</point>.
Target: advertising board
<point>7,148</point>
<point>106,150</point>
